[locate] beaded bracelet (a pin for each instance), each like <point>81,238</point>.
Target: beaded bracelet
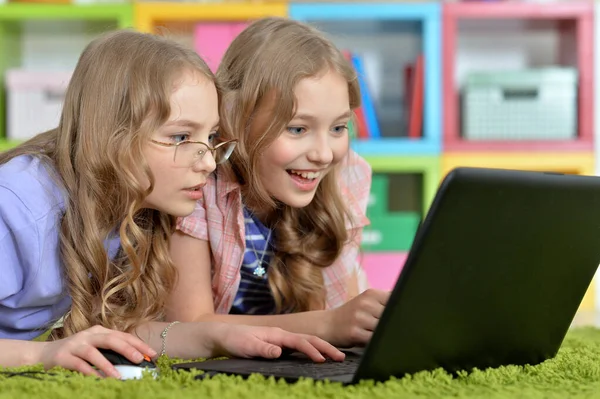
<point>163,335</point>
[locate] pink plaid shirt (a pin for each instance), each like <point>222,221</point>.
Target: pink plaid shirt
<point>219,219</point>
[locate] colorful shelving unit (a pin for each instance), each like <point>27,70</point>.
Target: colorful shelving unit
<point>14,15</point>
<point>425,159</point>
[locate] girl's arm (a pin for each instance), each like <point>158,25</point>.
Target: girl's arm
<point>210,339</point>
<point>80,352</point>
<point>16,353</point>
<point>191,300</point>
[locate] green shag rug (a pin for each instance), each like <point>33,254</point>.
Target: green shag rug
<point>573,373</point>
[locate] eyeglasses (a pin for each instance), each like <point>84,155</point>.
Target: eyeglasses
<point>188,153</point>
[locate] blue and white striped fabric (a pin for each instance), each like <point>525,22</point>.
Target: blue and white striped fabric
<point>254,295</point>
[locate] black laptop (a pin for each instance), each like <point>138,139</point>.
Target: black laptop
<point>495,275</point>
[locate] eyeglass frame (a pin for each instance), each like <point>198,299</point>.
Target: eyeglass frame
<point>208,147</point>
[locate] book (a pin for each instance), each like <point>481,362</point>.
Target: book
<point>366,99</point>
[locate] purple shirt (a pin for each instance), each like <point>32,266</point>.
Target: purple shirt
<point>33,294</point>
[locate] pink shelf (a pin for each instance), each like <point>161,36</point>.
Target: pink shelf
<point>518,10</point>
<point>580,13</point>
<point>211,40</point>
<point>383,268</point>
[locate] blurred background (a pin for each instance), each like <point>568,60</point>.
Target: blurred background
<point>495,83</point>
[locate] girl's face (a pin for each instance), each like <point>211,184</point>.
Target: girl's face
<point>179,176</point>
<point>315,140</point>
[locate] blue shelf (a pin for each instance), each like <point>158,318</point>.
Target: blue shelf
<point>429,15</point>
<point>396,146</point>
<point>355,11</point>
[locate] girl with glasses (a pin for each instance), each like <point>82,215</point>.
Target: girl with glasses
<point>275,238</point>
<point>87,210</point>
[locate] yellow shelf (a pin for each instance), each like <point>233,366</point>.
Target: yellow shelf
<point>589,300</point>
<point>573,163</point>
<point>147,15</point>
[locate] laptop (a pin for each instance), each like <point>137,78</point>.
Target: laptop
<point>495,275</point>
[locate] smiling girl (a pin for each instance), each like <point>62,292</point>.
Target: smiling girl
<point>275,239</point>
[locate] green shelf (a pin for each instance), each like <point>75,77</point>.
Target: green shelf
<point>7,144</point>
<point>392,232</point>
<point>427,165</point>
<point>123,13</point>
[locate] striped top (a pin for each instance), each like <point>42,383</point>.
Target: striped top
<point>254,295</point>
<point>219,219</point>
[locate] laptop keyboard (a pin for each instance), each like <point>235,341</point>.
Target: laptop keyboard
<point>289,366</point>
<point>294,368</point>
<point>311,369</point>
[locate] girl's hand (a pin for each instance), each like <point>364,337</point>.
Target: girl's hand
<point>238,340</point>
<point>353,323</point>
<point>79,352</point>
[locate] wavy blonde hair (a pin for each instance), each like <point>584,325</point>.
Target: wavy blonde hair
<point>264,64</point>
<point>118,95</point>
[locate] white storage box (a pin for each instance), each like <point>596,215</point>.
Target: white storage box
<point>535,104</point>
<point>34,101</point>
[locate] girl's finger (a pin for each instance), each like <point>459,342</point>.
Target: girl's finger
<point>140,345</point>
<point>301,344</point>
<point>116,336</point>
<point>362,336</point>
<point>258,347</point>
<point>91,355</point>
<point>366,321</point>
<point>135,342</point>
<point>120,344</point>
<point>374,308</point>
<point>326,349</point>
<point>78,364</point>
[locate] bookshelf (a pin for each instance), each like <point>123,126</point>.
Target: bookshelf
<point>395,32</point>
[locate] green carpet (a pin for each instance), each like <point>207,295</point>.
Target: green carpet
<point>574,373</point>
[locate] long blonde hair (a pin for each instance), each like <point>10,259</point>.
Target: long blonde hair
<point>118,95</point>
<point>269,58</point>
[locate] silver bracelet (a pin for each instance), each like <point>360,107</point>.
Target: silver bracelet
<point>163,335</point>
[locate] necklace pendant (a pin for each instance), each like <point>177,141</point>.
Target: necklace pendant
<point>259,271</point>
